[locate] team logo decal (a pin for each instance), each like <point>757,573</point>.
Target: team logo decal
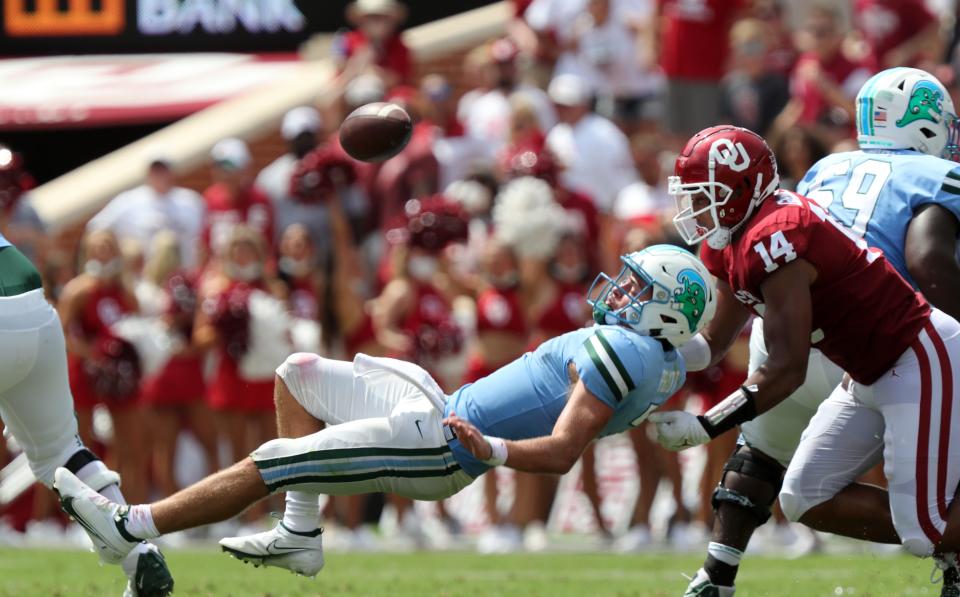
<point>735,156</point>
<point>692,298</point>
<point>925,99</point>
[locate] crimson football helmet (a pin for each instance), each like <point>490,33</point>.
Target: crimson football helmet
<point>721,175</point>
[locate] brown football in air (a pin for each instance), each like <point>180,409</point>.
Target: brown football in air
<point>376,132</point>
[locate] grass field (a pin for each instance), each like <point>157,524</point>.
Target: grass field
<point>28,572</point>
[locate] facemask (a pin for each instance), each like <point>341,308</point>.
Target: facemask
<point>245,273</point>
<point>295,267</point>
<point>102,271</point>
<point>422,268</point>
<point>568,273</point>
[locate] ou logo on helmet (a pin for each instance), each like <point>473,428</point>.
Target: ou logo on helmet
<point>733,155</point>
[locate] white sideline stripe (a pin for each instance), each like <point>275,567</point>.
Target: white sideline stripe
<point>608,363</point>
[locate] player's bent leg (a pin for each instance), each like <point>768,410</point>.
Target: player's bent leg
<point>37,407</point>
<point>405,453</point>
<point>842,441</point>
<point>921,461</point>
<point>741,503</point>
<point>753,475</point>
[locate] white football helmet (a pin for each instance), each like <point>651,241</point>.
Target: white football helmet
<point>907,108</point>
<point>682,294</point>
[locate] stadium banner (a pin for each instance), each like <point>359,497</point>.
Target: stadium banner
<point>90,91</point>
<point>44,27</point>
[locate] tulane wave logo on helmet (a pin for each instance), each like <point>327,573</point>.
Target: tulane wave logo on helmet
<point>924,98</point>
<point>691,300</point>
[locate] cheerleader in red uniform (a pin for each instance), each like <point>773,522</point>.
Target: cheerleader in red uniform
<point>175,393</point>
<point>243,403</point>
<point>561,303</point>
<point>413,317</point>
<point>102,369</point>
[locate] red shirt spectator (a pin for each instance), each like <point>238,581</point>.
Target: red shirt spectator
<point>839,70</point>
<point>693,38</point>
<point>375,42</point>
<point>393,57</point>
<point>227,208</point>
<point>897,30</point>
<point>234,199</point>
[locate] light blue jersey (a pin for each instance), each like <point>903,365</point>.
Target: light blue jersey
<point>4,242</point>
<point>628,372</point>
<point>875,194</point>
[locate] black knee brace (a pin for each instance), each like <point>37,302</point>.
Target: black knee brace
<point>80,459</point>
<point>100,479</point>
<point>745,462</point>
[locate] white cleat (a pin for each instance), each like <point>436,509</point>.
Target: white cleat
<point>301,553</point>
<point>102,519</point>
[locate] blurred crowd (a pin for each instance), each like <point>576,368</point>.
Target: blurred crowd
<point>535,169</point>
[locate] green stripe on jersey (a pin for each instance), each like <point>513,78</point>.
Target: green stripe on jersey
<point>616,361</point>
<point>953,175</point>
<point>947,187</point>
<point>366,476</point>
<point>350,453</point>
<point>597,354</point>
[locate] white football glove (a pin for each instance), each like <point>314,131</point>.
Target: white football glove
<point>677,430</point>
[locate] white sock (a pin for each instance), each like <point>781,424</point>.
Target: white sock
<point>111,492</point>
<point>302,512</point>
<point>140,522</point>
<point>724,553</point>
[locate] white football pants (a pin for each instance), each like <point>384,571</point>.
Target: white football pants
<point>776,432</point>
<point>35,400</point>
<point>383,434</point>
<point>906,417</point>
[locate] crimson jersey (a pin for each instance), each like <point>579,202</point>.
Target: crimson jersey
<point>500,311</point>
<point>864,314</point>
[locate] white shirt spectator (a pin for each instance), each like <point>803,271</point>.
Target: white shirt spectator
<point>274,180</point>
<point>596,157</point>
<point>639,200</point>
<point>607,56</point>
<point>140,213</point>
<point>487,117</point>
<point>594,152</point>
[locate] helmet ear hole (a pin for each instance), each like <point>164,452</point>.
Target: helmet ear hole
<point>927,132</point>
<point>668,319</point>
<point>901,85</point>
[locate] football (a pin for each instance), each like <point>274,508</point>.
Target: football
<point>376,132</point>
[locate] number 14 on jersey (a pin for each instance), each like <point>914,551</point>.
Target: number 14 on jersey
<point>779,247</point>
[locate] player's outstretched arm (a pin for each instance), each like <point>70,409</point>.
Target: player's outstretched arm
<point>930,251</point>
<point>581,421</point>
<point>786,328</point>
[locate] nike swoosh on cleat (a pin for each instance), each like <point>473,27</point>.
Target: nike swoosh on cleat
<point>273,546</point>
<point>67,505</point>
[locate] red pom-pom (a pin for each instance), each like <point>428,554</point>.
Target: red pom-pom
<point>230,315</point>
<point>431,224</point>
<point>321,172</point>
<point>115,371</point>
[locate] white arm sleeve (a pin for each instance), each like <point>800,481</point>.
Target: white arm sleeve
<point>696,353</point>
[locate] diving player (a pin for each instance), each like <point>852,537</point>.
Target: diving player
<point>37,407</point>
<point>902,197</point>
<point>782,257</point>
<point>391,429</point>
